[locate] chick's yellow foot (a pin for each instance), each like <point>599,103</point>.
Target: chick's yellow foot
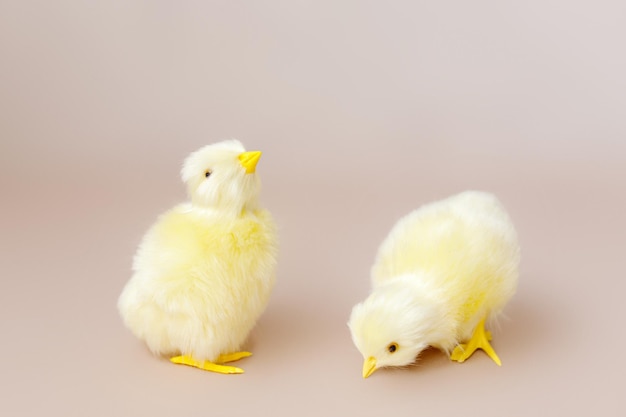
<point>232,357</point>
<point>480,340</point>
<point>206,365</point>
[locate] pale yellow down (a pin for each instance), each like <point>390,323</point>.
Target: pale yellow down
<point>469,248</point>
<point>204,272</point>
<point>442,270</point>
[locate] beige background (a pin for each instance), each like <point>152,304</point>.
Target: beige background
<point>364,111</point>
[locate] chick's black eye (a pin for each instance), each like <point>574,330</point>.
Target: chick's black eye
<point>392,347</point>
<point>207,173</point>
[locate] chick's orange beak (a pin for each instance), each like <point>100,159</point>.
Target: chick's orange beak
<point>248,160</point>
<point>369,366</point>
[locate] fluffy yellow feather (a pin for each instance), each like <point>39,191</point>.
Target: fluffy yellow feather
<point>204,272</point>
<point>443,270</point>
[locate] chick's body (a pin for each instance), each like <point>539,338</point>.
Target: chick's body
<point>204,272</point>
<point>201,282</point>
<point>464,248</point>
<point>442,271</point>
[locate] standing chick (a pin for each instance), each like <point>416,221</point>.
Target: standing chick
<point>443,270</point>
<point>204,272</point>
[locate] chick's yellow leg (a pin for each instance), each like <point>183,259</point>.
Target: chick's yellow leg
<point>206,365</point>
<point>480,340</point>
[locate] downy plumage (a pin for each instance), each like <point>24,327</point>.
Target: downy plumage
<point>441,272</point>
<point>204,272</point>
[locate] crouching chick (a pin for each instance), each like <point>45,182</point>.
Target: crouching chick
<point>442,272</point>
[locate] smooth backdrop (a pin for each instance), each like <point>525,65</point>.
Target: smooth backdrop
<point>364,110</point>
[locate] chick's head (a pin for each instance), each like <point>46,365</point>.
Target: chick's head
<point>390,328</point>
<point>222,176</point>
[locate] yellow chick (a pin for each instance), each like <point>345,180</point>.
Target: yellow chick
<point>204,272</point>
<point>443,270</point>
